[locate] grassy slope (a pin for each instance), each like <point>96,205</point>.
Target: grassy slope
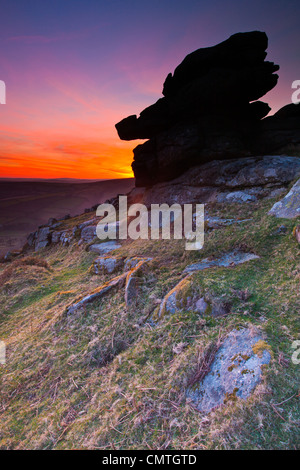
<point>105,378</point>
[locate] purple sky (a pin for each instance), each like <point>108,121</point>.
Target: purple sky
<point>74,68</point>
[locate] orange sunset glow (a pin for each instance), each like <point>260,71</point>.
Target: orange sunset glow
<point>70,77</point>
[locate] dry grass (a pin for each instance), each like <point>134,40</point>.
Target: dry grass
<point>110,378</point>
<point>26,261</point>
<point>204,362</point>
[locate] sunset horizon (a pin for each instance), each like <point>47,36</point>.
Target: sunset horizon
<point>70,76</point>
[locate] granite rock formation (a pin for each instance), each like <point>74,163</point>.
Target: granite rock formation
<point>240,180</point>
<point>210,111</point>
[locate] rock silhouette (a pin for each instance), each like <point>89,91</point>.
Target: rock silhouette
<point>209,111</point>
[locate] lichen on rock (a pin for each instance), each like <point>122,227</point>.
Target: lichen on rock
<point>235,371</point>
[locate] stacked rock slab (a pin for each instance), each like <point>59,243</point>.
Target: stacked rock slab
<point>209,109</point>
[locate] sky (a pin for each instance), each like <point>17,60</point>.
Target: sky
<point>74,68</point>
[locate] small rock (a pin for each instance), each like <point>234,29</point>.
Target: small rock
<point>276,192</point>
<point>229,259</point>
<point>107,264</point>
<point>282,229</point>
<point>176,298</point>
<point>131,289</point>
<point>88,233</point>
<point>105,247</point>
<point>201,306</point>
<point>237,196</point>
<point>234,373</point>
<point>289,206</point>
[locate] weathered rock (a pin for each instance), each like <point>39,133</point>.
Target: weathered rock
<point>195,87</point>
<point>88,233</point>
<point>76,232</point>
<point>31,238</point>
<point>42,238</point>
<point>229,259</point>
<point>234,372</point>
<point>107,264</point>
<point>133,261</point>
<point>276,192</point>
<point>176,298</point>
<point>237,180</point>
<point>184,296</point>
<point>128,278</point>
<point>93,221</point>
<point>201,306</point>
<point>207,112</point>
<point>132,279</point>
<point>66,237</point>
<point>236,196</point>
<point>289,206</point>
<point>80,302</point>
<point>240,173</point>
<point>218,222</point>
<point>104,247</point>
<point>56,237</point>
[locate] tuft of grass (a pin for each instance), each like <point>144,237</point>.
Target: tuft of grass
<point>26,261</point>
<point>204,362</point>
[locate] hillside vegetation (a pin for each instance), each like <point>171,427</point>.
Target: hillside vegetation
<point>114,377</point>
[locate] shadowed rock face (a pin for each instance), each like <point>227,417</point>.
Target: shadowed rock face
<point>208,110</point>
<point>239,180</point>
<point>221,80</point>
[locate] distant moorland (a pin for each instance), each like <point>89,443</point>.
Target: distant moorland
<point>26,204</point>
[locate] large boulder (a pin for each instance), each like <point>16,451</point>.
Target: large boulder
<point>209,109</point>
<point>223,78</point>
